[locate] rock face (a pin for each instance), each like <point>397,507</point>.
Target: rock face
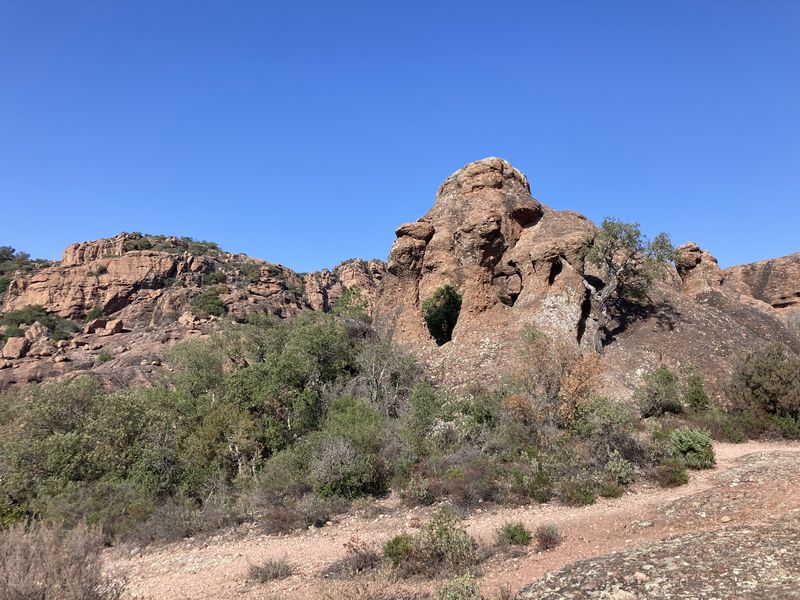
<point>519,264</point>
<point>516,262</point>
<point>145,297</point>
<point>776,282</point>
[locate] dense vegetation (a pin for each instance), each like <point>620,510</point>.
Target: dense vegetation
<point>287,422</point>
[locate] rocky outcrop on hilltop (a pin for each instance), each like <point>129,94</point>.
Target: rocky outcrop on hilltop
<point>517,263</point>
<point>141,292</point>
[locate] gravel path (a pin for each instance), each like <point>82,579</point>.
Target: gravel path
<point>753,485</point>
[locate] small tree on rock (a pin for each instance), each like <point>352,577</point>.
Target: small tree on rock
<point>628,263</point>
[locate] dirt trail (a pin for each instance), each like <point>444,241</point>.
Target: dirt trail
<point>752,483</point>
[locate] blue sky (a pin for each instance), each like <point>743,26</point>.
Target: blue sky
<point>305,132</point>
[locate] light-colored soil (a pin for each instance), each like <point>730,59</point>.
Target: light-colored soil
<point>752,484</point>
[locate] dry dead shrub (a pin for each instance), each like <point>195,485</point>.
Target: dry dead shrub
<point>577,383</point>
<point>41,563</point>
<point>520,407</point>
<point>360,558</point>
<point>372,588</point>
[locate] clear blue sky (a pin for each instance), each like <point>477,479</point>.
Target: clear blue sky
<point>305,132</point>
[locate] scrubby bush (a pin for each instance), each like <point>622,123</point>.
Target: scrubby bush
<point>360,557</point>
<point>513,534</point>
<point>12,261</point>
<point>441,546</point>
<point>768,379</point>
<point>41,563</point>
<point>352,305</point>
<point>660,393</point>
<point>576,491</point>
<point>60,328</point>
<point>208,303</point>
<point>694,446</point>
<point>671,472</point>
<point>460,587</point>
<point>340,469</point>
<point>398,548</point>
<point>272,569</point>
<point>694,391</point>
<point>547,537</point>
<point>94,313</point>
<point>441,311</point>
<point>214,278</point>
<point>619,469</point>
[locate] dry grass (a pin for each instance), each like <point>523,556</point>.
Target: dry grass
<point>40,563</point>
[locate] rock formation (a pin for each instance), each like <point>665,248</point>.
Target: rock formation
<point>145,298</point>
<point>517,263</point>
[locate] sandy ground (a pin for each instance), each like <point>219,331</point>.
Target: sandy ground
<point>731,494</point>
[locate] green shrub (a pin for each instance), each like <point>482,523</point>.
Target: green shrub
<point>694,391</point>
<point>671,472</point>
<point>94,313</point>
<point>619,469</point>
<point>460,587</point>
<point>441,311</point>
<point>200,248</point>
<point>441,546</point>
<point>104,357</point>
<point>208,303</point>
<point>215,278</point>
<point>352,305</point>
<point>270,571</point>
<point>610,489</point>
<point>60,328</point>
<point>576,492</point>
<point>659,393</point>
<point>338,468</point>
<point>139,243</point>
<point>768,380</point>
<point>12,261</point>
<point>513,534</point>
<point>251,272</point>
<point>547,536</point>
<point>398,548</point>
<point>694,446</point>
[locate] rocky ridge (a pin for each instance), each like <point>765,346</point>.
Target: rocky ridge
<point>518,264</point>
<point>144,298</point>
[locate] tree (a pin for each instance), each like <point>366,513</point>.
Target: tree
<point>628,262</point>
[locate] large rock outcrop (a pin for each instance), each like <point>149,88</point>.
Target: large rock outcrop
<point>519,264</point>
<point>145,297</point>
<point>516,262</point>
<point>775,281</point>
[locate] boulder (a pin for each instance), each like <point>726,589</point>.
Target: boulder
<point>112,327</point>
<point>16,347</point>
<point>36,331</point>
<point>94,325</point>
